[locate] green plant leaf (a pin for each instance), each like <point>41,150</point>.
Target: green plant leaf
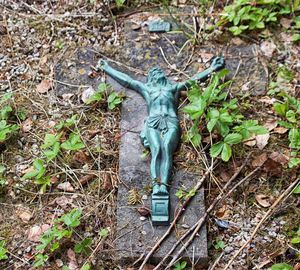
<point>233,138</point>
<point>113,100</point>
<point>295,37</point>
<point>5,112</point>
<point>72,219</point>
<point>38,171</point>
<point>50,140</point>
<point>3,250</point>
<point>216,149</point>
<point>280,109</point>
<point>86,266</point>
<point>294,138</point>
<point>83,246</point>
<point>179,194</point>
<point>120,3</point>
<point>294,162</point>
<point>281,266</point>
<point>40,260</point>
<point>226,152</point>
<point>297,190</point>
<point>104,232</point>
<point>295,240</point>
<point>73,142</point>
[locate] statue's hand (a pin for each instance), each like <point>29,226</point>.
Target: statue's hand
<point>218,63</point>
<point>102,64</point>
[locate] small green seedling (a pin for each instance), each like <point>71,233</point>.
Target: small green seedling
<point>180,265</point>
<point>3,251</point>
<point>73,143</point>
<point>113,100</point>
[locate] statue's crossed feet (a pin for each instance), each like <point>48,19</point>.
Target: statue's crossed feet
<point>160,189</point>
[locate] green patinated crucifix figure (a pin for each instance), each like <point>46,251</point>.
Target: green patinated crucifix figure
<point>161,130</point>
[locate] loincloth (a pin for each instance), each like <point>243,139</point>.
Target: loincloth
<point>159,122</point>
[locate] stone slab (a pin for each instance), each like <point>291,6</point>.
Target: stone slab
<point>135,236</point>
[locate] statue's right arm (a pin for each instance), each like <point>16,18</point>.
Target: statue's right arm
<point>123,78</point>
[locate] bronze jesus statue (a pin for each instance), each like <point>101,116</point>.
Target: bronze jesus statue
<point>161,129</point>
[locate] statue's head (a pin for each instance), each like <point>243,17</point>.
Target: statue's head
<point>157,75</point>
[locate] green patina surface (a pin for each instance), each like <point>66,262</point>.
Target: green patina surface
<point>161,130</point>
<point>159,26</point>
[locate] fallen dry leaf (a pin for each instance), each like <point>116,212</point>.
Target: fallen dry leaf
<point>267,100</point>
<point>280,158</point>
<point>29,169</point>
<point>44,86</point>
<point>85,179</point>
<point>25,216</point>
<point>273,168</point>
<point>35,232</point>
<point>144,211</point>
<point>63,202</point>
<point>87,93</point>
<point>27,125</point>
<point>267,48</point>
<point>250,141</point>
<point>66,186</point>
<point>206,56</point>
<point>59,263</point>
<point>259,160</point>
<point>285,22</point>
<point>297,266</point>
<point>67,96</point>
<point>225,176</point>
<point>223,212</point>
<point>73,264</point>
<point>54,179</point>
<point>107,184</point>
<point>148,267</point>
<point>81,157</point>
<point>262,140</point>
<point>43,60</point>
<point>94,132</point>
<point>280,130</point>
<point>263,200</point>
<point>271,124</point>
<point>237,41</point>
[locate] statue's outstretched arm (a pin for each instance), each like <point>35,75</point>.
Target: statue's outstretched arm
<point>122,78</point>
<point>217,64</point>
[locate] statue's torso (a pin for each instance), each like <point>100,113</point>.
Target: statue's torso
<point>162,102</point>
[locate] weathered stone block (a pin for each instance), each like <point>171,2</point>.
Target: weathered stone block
<point>134,234</point>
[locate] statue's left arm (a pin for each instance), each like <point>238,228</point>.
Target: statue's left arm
<point>217,64</point>
<point>123,78</point>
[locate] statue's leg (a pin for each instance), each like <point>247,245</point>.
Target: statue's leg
<point>169,145</point>
<point>153,137</point>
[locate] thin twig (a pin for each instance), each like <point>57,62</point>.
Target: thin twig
<point>202,219</point>
<point>283,196</point>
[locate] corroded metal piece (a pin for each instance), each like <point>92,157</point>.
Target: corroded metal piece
<point>159,26</point>
<point>161,130</point>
